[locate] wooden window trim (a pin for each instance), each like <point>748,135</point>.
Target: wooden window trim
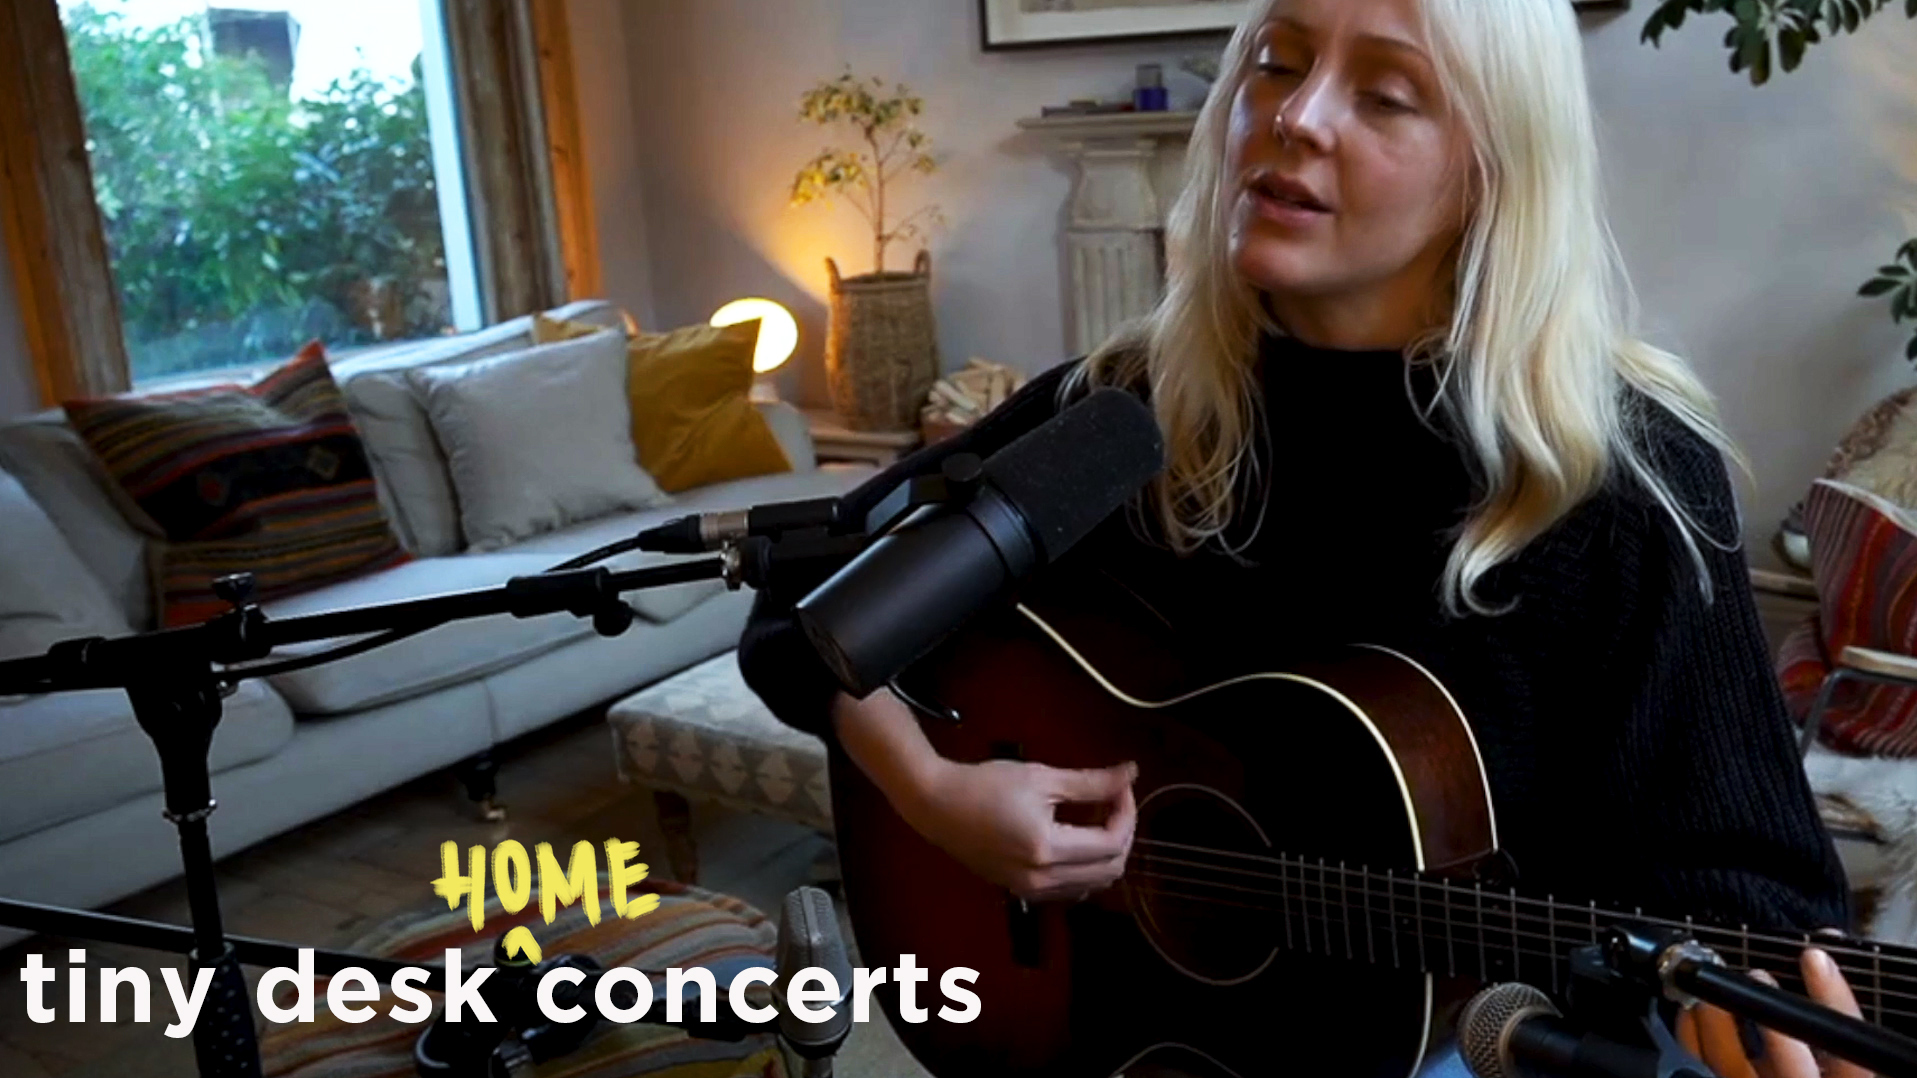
<point>572,186</point>
<point>69,307</point>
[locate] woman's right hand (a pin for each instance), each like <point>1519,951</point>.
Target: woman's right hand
<point>998,818</point>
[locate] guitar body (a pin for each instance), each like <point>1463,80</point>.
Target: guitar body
<point>1360,759</point>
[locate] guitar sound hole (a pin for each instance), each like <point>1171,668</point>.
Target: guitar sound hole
<point>1197,890</point>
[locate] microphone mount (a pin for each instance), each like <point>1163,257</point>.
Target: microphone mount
<point>1620,984</point>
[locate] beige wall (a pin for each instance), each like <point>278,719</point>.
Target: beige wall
<point>601,60</point>
<point>1748,216</point>
<point>716,86</point>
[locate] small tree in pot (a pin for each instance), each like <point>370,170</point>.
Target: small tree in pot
<point>881,347</point>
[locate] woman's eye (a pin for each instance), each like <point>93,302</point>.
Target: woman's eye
<point>1388,103</point>
<point>1275,68</point>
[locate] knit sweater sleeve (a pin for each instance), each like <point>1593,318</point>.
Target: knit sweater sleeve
<point>1716,816</point>
<point>775,657</point>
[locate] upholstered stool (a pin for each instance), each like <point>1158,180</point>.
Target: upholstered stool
<point>691,927</point>
<point>702,734</point>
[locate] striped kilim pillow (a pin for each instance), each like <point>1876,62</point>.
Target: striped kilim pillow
<point>1864,556</point>
<point>269,479</point>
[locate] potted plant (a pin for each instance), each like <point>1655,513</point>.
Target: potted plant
<point>881,349</point>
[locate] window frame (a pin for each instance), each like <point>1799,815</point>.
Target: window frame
<point>56,239</point>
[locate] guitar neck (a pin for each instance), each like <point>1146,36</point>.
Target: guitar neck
<point>1463,929</point>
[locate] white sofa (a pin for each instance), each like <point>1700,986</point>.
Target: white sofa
<point>80,804</point>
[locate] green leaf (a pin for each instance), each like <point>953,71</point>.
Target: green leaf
<point>1790,47</point>
<point>1893,271</point>
<point>1877,287</point>
<point>1910,350</point>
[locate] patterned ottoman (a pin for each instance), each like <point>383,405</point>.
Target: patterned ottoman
<point>703,734</point>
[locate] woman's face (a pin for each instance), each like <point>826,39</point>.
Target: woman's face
<point>1366,196</point>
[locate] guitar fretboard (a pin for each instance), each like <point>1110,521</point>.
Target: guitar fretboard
<point>1453,928</point>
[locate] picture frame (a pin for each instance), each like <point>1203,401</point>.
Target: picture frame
<point>1007,25</point>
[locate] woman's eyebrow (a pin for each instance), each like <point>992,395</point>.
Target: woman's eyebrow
<point>1394,44</point>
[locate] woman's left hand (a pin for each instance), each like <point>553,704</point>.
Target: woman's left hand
<point>1712,1035</point>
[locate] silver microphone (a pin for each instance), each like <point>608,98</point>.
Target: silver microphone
<point>809,937</point>
<point>1488,1021</point>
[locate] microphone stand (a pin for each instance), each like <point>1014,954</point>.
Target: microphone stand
<point>1617,986</point>
<point>1672,965</point>
<point>176,678</point>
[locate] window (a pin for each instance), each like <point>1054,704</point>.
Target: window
<point>273,174</point>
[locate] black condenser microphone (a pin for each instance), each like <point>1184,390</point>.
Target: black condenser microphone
<point>1033,500</point>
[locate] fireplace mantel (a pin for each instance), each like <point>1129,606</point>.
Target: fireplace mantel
<point>1128,167</point>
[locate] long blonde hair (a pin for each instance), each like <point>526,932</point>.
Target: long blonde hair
<point>1537,349</point>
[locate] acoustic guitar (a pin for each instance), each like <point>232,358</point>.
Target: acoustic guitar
<point>1306,893</point>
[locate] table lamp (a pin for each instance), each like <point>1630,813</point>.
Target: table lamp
<point>778,338</point>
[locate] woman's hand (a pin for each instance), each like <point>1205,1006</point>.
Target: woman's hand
<point>999,818</point>
<point>1711,1034</point>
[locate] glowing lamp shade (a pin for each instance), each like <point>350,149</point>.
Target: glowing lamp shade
<point>778,331</point>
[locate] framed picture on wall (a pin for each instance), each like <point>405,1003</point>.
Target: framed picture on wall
<point>1024,24</point>
<point>1027,24</point>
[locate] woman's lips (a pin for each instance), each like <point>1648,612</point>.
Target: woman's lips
<point>1285,211</point>
<point>1284,200</point>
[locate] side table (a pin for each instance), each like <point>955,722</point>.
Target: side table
<point>834,441</point>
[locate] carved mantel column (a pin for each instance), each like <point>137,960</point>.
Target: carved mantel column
<point>1128,167</point>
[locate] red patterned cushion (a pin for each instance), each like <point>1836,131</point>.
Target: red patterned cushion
<point>270,479</point>
<point>1864,558</point>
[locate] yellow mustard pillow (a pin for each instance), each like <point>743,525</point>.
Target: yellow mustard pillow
<point>693,420</point>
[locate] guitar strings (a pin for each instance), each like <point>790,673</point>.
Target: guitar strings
<point>1775,948</point>
<point>1775,945</point>
<point>1446,960</point>
<point>1438,952</point>
<point>1875,955</point>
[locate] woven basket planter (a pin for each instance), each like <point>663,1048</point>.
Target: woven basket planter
<point>881,347</point>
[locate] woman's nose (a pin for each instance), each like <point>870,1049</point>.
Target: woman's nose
<point>1307,117</point>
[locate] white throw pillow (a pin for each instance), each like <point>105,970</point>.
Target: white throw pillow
<point>46,595</point>
<point>537,439</point>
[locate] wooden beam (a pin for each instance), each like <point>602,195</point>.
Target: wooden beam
<point>572,186</point>
<point>68,303</point>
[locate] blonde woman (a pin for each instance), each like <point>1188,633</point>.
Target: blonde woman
<point>1402,404</point>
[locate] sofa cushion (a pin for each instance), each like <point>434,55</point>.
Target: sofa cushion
<point>69,483</point>
<point>269,479</point>
<point>452,653</point>
<point>46,595</point>
<point>537,439</point>
<point>662,605</point>
<point>693,422</point>
<point>399,438</point>
<point>66,755</point>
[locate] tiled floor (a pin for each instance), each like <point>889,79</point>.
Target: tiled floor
<point>329,882</point>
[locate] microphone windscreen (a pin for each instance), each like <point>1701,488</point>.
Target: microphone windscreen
<point>1485,1024</point>
<point>1067,475</point>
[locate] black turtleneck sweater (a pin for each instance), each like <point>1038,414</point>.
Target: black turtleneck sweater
<point>1635,735</point>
